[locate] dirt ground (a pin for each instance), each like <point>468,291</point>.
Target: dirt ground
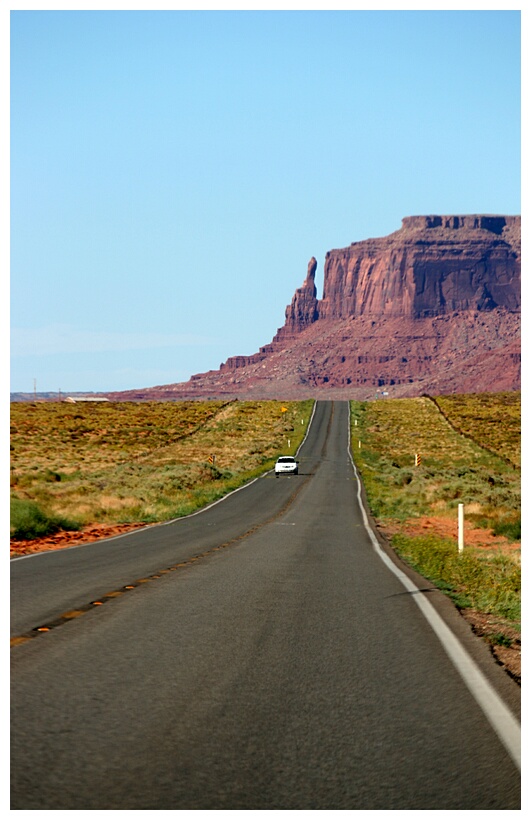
<point>509,657</point>
<point>476,537</point>
<point>69,539</point>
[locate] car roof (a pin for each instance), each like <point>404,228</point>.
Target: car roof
<point>286,458</point>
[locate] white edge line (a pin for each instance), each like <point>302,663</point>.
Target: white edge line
<point>173,520</point>
<point>497,713</point>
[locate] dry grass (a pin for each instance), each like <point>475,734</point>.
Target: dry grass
<point>469,453</point>
<point>130,462</point>
<point>493,420</point>
<point>453,469</point>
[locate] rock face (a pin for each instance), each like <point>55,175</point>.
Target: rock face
<point>433,307</point>
<point>434,265</point>
<point>303,310</point>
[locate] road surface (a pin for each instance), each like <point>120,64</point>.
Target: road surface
<point>265,657</point>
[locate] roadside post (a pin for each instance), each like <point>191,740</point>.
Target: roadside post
<point>460,527</point>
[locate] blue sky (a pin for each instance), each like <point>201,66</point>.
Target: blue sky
<point>173,172</point>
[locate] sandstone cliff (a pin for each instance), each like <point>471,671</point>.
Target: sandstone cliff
<point>433,307</point>
<point>433,265</point>
<point>304,306</point>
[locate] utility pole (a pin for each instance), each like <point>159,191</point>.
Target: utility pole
<point>35,389</point>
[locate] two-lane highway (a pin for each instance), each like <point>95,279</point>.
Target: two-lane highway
<point>290,669</point>
<point>46,585</point>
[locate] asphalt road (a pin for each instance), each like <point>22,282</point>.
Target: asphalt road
<point>275,662</point>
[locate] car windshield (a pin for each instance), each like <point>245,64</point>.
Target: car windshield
<point>287,459</point>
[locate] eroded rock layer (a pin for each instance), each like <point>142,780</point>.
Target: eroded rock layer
<point>433,307</point>
<point>433,265</point>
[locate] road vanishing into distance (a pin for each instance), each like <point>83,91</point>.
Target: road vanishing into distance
<point>268,654</point>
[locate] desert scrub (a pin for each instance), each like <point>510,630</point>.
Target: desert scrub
<point>488,582</point>
<point>454,468</point>
<point>28,520</point>
<point>101,434</point>
<point>129,462</point>
<point>493,420</point>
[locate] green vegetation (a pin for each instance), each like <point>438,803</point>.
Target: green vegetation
<point>454,469</point>
<point>29,521</point>
<point>488,583</point>
<point>142,462</point>
<point>469,448</point>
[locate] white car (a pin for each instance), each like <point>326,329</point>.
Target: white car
<point>286,465</point>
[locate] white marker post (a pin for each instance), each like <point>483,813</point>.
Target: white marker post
<point>460,527</point>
